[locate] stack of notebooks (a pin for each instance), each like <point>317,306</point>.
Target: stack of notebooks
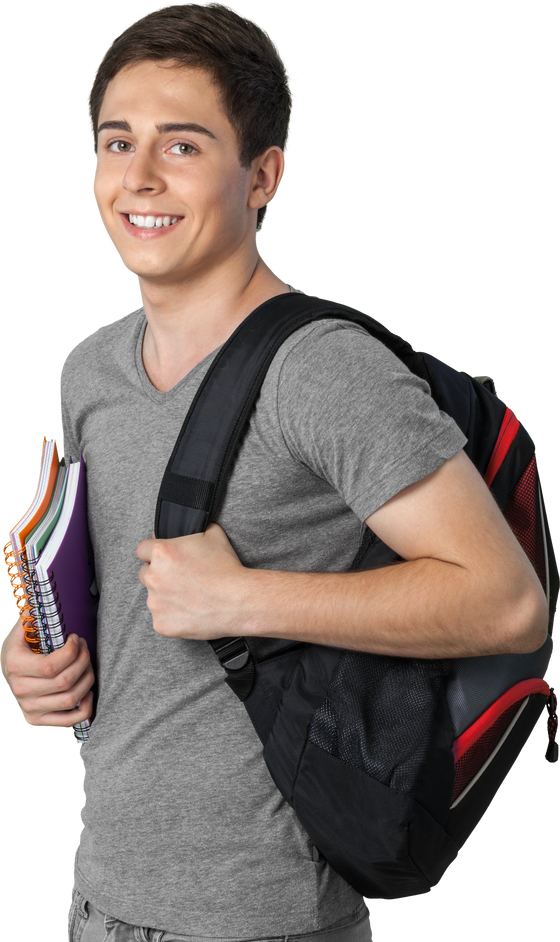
<point>50,562</point>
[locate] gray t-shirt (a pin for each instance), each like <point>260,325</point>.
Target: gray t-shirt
<point>184,829</point>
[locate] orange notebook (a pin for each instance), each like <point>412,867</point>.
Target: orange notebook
<point>14,557</point>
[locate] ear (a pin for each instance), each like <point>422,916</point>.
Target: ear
<point>266,176</point>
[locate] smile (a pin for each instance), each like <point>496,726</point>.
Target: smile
<point>157,230</point>
<point>152,222</point>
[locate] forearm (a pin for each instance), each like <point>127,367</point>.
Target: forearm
<point>422,608</point>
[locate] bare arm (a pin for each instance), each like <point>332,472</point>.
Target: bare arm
<point>466,588</point>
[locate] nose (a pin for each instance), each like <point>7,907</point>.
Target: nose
<point>141,175</point>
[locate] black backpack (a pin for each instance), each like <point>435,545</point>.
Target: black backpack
<point>388,762</point>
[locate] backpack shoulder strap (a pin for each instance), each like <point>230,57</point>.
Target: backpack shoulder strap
<point>201,461</point>
<point>200,464</point>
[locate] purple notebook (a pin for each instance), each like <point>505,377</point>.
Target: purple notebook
<point>65,569</point>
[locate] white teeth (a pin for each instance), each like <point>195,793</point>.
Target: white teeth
<point>152,222</point>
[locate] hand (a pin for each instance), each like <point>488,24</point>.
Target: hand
<point>197,588</point>
<point>48,687</point>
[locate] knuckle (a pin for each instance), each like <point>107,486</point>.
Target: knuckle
<point>61,682</point>
<point>18,687</point>
<point>14,666</point>
<point>49,668</point>
<point>26,706</point>
<point>68,701</point>
<point>9,663</point>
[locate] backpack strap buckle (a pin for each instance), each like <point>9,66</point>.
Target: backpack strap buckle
<point>232,653</point>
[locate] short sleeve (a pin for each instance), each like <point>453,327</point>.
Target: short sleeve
<point>352,413</point>
<point>71,446</point>
<point>68,444</point>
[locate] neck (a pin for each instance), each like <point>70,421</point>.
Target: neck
<point>186,322</point>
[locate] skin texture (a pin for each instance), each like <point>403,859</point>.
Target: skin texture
<point>201,280</point>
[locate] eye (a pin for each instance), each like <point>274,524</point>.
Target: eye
<point>184,144</point>
<point>119,147</point>
<point>109,146</point>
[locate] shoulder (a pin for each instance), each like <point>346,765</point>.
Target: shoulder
<point>334,366</point>
<point>331,339</point>
<point>329,332</point>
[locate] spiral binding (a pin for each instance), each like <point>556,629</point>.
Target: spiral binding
<point>49,610</point>
<point>37,600</point>
<point>22,587</point>
<point>552,726</point>
<point>19,581</point>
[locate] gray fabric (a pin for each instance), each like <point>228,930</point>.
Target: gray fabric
<point>183,827</point>
<point>86,923</point>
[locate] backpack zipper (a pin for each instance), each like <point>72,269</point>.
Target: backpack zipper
<point>552,726</point>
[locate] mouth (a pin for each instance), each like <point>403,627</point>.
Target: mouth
<point>154,233</point>
<point>149,221</point>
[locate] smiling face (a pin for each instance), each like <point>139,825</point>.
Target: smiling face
<point>169,185</point>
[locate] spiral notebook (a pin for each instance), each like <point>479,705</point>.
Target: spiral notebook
<point>50,562</point>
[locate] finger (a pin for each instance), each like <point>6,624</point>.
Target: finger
<point>37,703</point>
<point>63,717</point>
<point>34,676</point>
<point>142,574</point>
<point>144,550</point>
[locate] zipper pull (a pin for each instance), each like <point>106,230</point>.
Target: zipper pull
<point>551,705</point>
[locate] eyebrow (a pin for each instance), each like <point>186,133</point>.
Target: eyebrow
<point>160,128</point>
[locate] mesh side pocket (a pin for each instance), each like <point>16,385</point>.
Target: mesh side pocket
<point>378,715</point>
<point>523,515</point>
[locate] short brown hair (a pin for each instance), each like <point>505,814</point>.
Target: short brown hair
<point>240,57</point>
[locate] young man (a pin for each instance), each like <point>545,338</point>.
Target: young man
<point>185,834</point>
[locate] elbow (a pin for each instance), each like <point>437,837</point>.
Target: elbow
<point>527,624</point>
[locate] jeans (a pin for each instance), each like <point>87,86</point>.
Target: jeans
<point>88,924</point>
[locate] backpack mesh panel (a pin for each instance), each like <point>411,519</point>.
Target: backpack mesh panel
<point>378,715</point>
<point>475,757</point>
<point>523,515</point>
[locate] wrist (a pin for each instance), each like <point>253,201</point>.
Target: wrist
<point>262,606</point>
